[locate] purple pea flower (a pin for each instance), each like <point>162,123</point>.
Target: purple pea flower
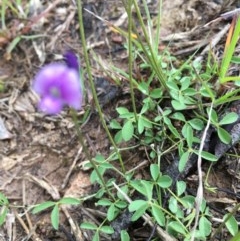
<point>71,60</point>
<point>58,84</point>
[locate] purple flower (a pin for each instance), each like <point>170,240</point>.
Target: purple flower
<point>58,85</point>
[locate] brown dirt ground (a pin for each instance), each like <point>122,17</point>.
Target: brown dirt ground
<point>37,151</point>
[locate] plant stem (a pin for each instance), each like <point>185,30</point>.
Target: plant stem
<point>152,55</point>
<point>86,58</point>
<point>129,11</point>
<point>3,11</point>
<point>85,149</point>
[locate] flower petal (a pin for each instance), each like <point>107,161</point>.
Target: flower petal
<point>50,105</point>
<point>71,60</point>
<point>48,77</point>
<point>71,89</point>
<point>58,85</point>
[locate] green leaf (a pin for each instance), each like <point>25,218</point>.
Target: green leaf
<point>214,116</point>
<point>177,227</point>
<point>124,236</point>
<point>106,165</point>
<point>174,131</point>
<point>173,206</point>
<point>205,226</point>
<point>205,92</point>
<point>186,100</point>
<point>90,226</point>
<point>148,186</point>
<point>166,112</point>
<point>189,218</point>
<point>181,187</point>
<point>188,201</point>
<point>115,125</point>
<point>100,193</point>
<point>144,187</point>
<point>189,92</point>
<point>139,212</point>
<point>3,199</point>
<point>196,124</point>
<point>172,86</point>
<point>55,217</point>
<point>236,237</point>
<point>107,229</point>
<point>122,110</point>
<point>185,82</point>
<point>180,213</point>
<point>69,200</point>
<point>124,190</point>
<point>147,123</point>
<point>203,206</point>
<point>121,204</point>
<point>137,185</point>
<point>229,118</point>
<point>189,135</point>
<point>165,181</point>
<point>112,212</point>
<point>3,213</point>
<point>156,93</point>
<point>96,237</point>
<point>143,87</point>
<point>43,206</point>
<point>13,44</point>
<point>94,176</point>
<point>158,215</point>
<point>178,105</point>
<point>145,106</point>
<point>140,125</point>
<point>104,202</point>
<point>3,208</point>
<point>231,224</point>
<point>137,204</point>
<point>178,116</point>
<point>174,94</point>
<point>127,131</point>
<point>208,156</point>
<point>223,135</point>
<point>183,160</point>
<point>118,137</point>
<point>155,172</point>
<point>235,60</point>
<point>99,158</point>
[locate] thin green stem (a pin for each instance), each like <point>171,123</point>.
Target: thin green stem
<point>221,226</point>
<point>85,149</point>
<point>157,36</point>
<point>152,56</point>
<point>86,58</point>
<point>129,11</point>
<point>229,52</point>
<point>3,11</point>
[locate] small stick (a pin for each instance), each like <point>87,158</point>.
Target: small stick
<point>199,196</point>
<point>76,230</point>
<point>225,16</point>
<point>214,42</point>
